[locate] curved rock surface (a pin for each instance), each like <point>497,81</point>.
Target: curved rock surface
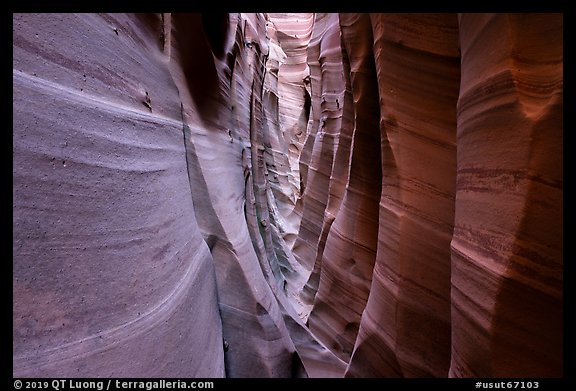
<point>350,248</point>
<point>109,261</point>
<point>287,195</point>
<point>507,278</point>
<point>417,64</point>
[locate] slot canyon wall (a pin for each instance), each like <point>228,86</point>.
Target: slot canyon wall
<point>287,195</point>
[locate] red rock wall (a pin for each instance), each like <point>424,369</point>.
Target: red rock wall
<point>467,276</point>
<point>350,249</point>
<point>331,194</point>
<point>507,276</point>
<point>418,77</point>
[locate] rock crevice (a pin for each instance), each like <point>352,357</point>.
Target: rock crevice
<point>287,195</point>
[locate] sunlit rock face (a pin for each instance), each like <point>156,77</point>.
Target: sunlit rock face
<point>287,195</point>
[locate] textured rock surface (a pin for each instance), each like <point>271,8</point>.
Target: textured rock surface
<point>326,137</point>
<point>105,265</point>
<point>350,248</point>
<point>109,262</point>
<point>331,194</point>
<point>407,319</point>
<point>507,244</point>
<point>470,210</point>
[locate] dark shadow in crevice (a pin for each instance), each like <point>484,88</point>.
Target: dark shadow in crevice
<point>216,27</point>
<point>307,104</point>
<point>197,61</point>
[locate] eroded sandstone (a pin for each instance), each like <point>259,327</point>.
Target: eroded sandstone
<point>328,195</point>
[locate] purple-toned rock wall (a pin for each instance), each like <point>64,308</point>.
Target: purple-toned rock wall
<point>287,195</point>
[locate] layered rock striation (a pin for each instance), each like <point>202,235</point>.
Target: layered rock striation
<point>287,195</point>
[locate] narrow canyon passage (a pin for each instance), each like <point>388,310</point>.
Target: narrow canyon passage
<point>287,195</point>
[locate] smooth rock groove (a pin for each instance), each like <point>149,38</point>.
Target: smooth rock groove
<point>287,195</point>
